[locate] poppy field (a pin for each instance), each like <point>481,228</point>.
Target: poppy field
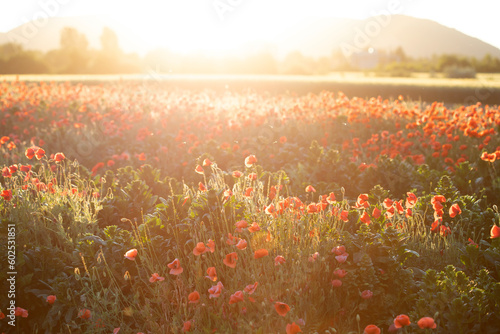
<point>130,208</point>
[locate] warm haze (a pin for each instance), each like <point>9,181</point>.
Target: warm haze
<point>229,26</point>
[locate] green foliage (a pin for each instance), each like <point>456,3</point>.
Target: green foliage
<point>460,303</point>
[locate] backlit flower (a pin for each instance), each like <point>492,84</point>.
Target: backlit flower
<point>194,297</point>
<point>366,294</point>
<point>495,232</point>
<point>260,253</point>
<point>402,320</point>
<point>279,260</point>
<point>242,244</point>
<point>212,274</point>
<point>59,157</point>
<point>230,260</point>
<point>84,314</point>
<point>250,289</point>
<point>236,297</point>
<point>250,160</point>
<point>293,328</point>
<point>426,322</point>
<point>156,278</point>
<point>454,210</point>
<point>371,329</point>
<point>336,283</point>
<point>51,299</point>
<point>175,267</point>
<point>215,290</point>
<point>281,308</point>
<point>131,254</point>
<point>200,249</point>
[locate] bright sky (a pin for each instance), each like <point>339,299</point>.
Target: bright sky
<point>224,24</point>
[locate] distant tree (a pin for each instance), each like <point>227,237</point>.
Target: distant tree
<point>8,50</point>
<point>74,49</point>
<point>26,62</point>
<point>109,43</point>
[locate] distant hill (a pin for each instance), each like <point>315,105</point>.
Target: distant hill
<point>312,37</point>
<point>417,37</point>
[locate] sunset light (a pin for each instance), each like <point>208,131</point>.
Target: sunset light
<point>249,166</point>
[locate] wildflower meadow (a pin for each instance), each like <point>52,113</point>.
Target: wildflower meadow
<point>130,208</point>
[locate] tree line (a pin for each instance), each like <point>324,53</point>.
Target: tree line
<point>74,56</point>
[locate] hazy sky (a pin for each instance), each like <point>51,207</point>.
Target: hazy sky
<point>241,21</point>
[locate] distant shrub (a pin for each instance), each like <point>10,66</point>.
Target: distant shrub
<point>460,72</point>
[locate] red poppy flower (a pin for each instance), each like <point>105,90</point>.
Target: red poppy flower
<point>293,328</point>
<point>212,274</point>
<point>444,230</point>
<point>175,267</point>
<point>230,260</point>
<point>30,153</point>
<point>250,289</point>
<point>344,216</point>
<point>402,320</point>
<point>240,225</point>
<point>4,139</point>
<point>51,299</point>
<point>495,232</point>
<point>2,316</point>
<point>282,139</point>
<point>202,187</point>
<point>331,198</point>
<point>254,227</point>
<point>376,213</point>
<point>40,153</point>
<point>207,163</point>
<point>366,294</point>
<point>399,207</point>
<point>371,329</point>
<point>279,260</point>
<point>200,249</point>
<point>248,192</point>
<point>365,218</point>
<point>310,189</point>
<point>187,326</point>
<point>242,244</point>
<point>250,160</point>
<point>426,322</point>
<point>199,170</point>
<point>237,174</point>
<point>231,240</point>
<point>454,210</point>
<point>340,273</point>
<point>281,308</point>
<point>19,311</point>
<point>7,194</point>
<point>336,283</point>
<point>488,157</point>
<point>252,176</point>
<point>211,245</point>
<point>25,169</point>
<point>342,258</point>
<point>194,297</point>
<point>156,278</point>
<point>260,253</point>
<point>388,203</point>
<point>215,290</point>
<point>339,250</point>
<point>131,254</point>
<point>84,314</point>
<point>236,297</point>
<point>59,157</point>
